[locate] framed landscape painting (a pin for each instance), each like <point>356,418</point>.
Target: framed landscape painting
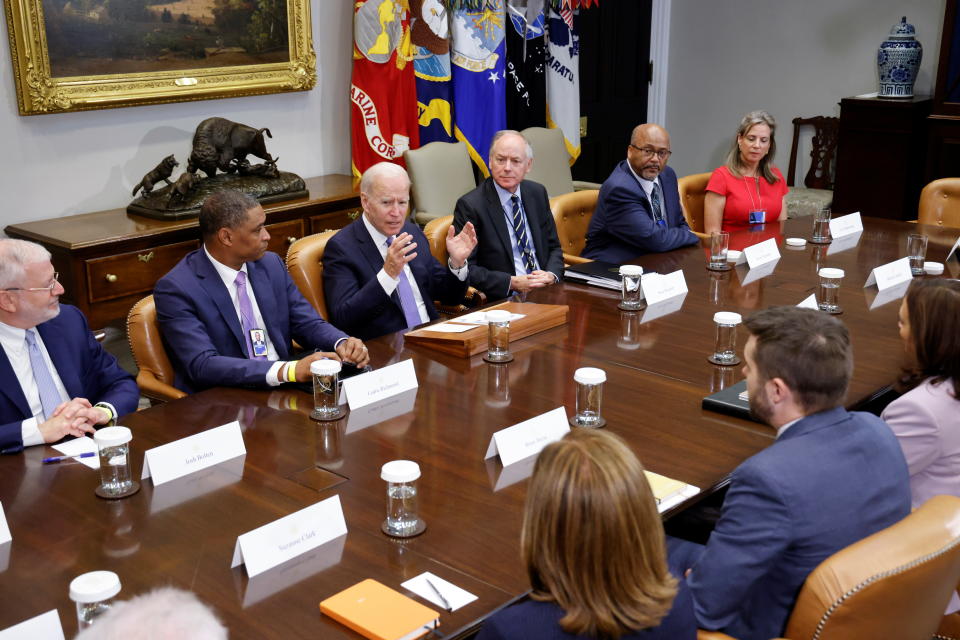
<point>71,55</point>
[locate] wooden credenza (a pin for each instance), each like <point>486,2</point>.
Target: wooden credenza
<point>110,259</point>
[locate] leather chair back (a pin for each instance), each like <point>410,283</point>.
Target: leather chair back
<point>893,584</point>
<point>436,232</point>
<point>940,203</point>
<point>692,189</point>
<point>304,262</point>
<point>440,172</point>
<point>155,375</point>
<point>572,213</point>
<point>551,160</point>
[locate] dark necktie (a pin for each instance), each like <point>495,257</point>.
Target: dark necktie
<point>49,396</point>
<point>520,230</point>
<point>655,204</point>
<point>247,321</point>
<point>407,301</point>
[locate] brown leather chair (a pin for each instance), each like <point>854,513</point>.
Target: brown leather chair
<point>572,213</point>
<point>940,203</point>
<point>155,377</point>
<point>692,189</point>
<point>304,262</point>
<point>893,584</point>
<point>436,232</point>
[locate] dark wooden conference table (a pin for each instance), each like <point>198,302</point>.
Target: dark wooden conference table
<point>183,533</point>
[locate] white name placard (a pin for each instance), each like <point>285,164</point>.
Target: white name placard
<point>527,438</point>
<point>810,302</point>
<point>45,626</point>
<point>890,274</point>
<point>760,253</point>
<point>4,529</point>
<point>760,271</point>
<point>889,294</point>
<point>843,243</point>
<point>665,308</point>
<point>953,251</point>
<point>283,539</point>
<point>845,225</point>
<point>377,385</point>
<point>193,453</point>
<point>658,288</point>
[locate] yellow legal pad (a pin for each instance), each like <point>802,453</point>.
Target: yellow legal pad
<point>663,487</point>
<point>378,612</point>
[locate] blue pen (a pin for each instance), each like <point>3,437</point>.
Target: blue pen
<point>54,460</point>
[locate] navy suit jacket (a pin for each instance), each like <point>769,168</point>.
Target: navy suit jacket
<point>201,328</point>
<point>533,620</point>
<point>85,368</point>
<point>491,263</point>
<point>830,480</point>
<point>622,227</point>
<point>355,299</point>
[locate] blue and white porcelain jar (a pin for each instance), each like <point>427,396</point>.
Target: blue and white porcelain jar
<point>898,61</point>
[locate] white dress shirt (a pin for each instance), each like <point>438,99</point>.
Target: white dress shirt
<point>520,269</point>
<point>390,283</point>
<point>14,341</point>
<point>647,185</point>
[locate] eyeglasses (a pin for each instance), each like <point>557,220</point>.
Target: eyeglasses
<point>663,154</point>
<point>48,289</point>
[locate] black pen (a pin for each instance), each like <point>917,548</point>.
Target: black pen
<point>446,605</point>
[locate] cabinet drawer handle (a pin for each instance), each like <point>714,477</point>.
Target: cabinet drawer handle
<point>353,215</point>
<point>110,277</point>
<point>145,257</point>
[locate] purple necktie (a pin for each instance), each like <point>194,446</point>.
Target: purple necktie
<point>247,321</point>
<point>49,396</point>
<point>407,303</point>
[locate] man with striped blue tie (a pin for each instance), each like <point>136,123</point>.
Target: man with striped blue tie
<point>517,244</point>
<point>55,378</point>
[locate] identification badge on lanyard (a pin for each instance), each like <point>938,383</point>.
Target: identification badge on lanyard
<point>258,340</point>
<point>758,216</point>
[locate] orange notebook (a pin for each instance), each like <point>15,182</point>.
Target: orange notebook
<point>378,612</point>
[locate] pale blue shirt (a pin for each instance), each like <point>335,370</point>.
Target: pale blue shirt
<point>519,268</point>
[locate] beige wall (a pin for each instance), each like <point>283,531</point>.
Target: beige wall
<point>61,164</point>
<point>788,57</point>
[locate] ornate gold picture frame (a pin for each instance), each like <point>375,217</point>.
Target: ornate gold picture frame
<point>75,55</point>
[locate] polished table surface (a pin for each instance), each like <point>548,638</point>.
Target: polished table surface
<point>183,533</point>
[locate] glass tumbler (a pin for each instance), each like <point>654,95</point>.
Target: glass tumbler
<point>828,298</point>
<point>116,479</point>
<point>719,243</point>
<point>725,351</point>
<point>402,520</point>
<point>917,252</point>
<point>93,593</point>
<point>821,226</point>
<point>630,291</point>
<point>589,397</point>
<point>326,389</point>
<point>498,336</point>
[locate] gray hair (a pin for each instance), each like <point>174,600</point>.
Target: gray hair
<point>226,208</point>
<point>14,256</point>
<point>733,161</point>
<point>379,171</point>
<point>162,614</point>
<point>509,132</point>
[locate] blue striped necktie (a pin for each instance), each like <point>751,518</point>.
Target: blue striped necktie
<point>655,203</point>
<point>520,230</point>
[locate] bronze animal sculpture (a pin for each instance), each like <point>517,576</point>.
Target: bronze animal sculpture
<point>181,188</point>
<point>162,171</point>
<point>222,144</point>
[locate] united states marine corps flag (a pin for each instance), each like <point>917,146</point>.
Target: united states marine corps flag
<point>477,61</point>
<point>383,92</point>
<point>563,78</point>
<point>430,34</point>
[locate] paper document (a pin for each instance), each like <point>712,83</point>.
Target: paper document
<point>455,596</point>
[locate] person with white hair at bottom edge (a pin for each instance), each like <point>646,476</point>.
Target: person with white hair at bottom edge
<point>162,614</point>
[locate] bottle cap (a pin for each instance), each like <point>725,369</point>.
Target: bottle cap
<point>325,367</point>
<point>589,375</point>
<point>400,471</point>
<point>95,586</point>
<point>830,272</point>
<point>933,268</point>
<point>112,436</point>
<point>631,270</point>
<point>498,315</point>
<point>796,242</point>
<point>727,317</point>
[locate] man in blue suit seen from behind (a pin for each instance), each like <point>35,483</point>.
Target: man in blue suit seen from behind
<point>229,310</point>
<point>378,273</point>
<point>831,478</point>
<point>56,380</point>
<point>638,210</point>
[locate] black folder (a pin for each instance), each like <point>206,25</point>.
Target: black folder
<point>728,401</point>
